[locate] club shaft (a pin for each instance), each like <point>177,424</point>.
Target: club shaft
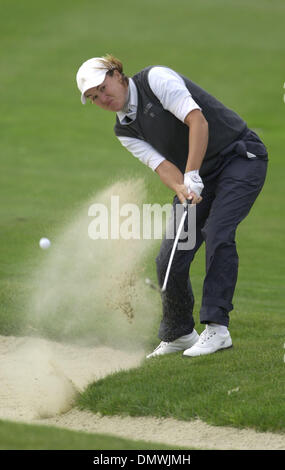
<point>173,250</point>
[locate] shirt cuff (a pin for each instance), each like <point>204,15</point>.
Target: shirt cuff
<point>154,161</point>
<point>186,108</point>
<point>143,151</point>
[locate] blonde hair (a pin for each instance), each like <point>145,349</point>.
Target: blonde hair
<point>112,63</point>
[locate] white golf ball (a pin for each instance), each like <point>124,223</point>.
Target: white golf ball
<point>44,243</point>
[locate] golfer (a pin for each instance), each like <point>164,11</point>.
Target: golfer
<point>205,153</point>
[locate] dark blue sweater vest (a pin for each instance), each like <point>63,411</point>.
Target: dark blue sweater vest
<point>169,136</point>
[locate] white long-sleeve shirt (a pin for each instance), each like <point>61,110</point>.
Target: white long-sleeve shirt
<point>171,91</point>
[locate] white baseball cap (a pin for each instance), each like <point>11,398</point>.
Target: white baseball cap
<point>90,74</point>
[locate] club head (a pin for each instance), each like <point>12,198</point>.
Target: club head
<point>151,284</point>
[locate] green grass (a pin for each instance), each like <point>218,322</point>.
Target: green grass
<point>55,153</point>
<point>19,436</point>
<point>242,387</point>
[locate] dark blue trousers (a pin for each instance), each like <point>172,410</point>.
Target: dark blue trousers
<point>228,196</point>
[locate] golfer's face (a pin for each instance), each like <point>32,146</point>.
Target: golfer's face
<point>111,94</point>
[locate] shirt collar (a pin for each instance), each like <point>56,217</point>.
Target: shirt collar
<point>131,105</point>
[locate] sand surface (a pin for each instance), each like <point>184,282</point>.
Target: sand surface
<point>39,380</point>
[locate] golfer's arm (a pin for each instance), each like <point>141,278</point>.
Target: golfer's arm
<point>198,139</point>
<point>170,175</point>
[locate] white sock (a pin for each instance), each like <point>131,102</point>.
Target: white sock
<point>219,328</point>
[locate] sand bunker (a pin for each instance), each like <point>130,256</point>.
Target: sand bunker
<point>40,378</point>
<point>192,434</point>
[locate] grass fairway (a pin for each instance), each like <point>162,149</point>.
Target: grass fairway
<point>55,153</point>
<point>18,436</point>
<point>243,387</point>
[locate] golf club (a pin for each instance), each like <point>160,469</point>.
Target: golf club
<point>181,224</point>
<point>185,205</point>
<point>152,285</point>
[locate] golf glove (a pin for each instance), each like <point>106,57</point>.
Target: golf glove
<point>193,182</point>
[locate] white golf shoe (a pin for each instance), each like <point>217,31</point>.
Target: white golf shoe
<point>210,341</point>
<point>180,344</point>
